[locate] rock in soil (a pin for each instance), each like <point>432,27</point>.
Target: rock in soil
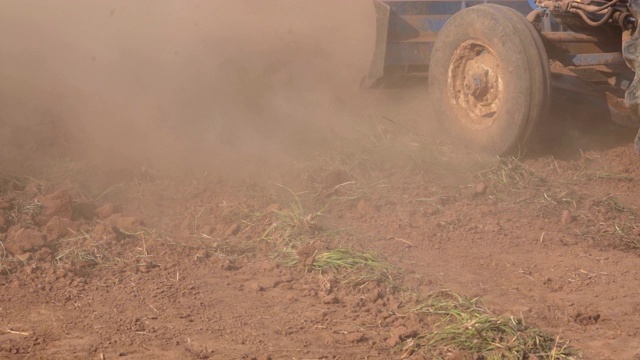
<point>58,227</point>
<point>107,210</point>
<point>58,203</point>
<point>25,240</point>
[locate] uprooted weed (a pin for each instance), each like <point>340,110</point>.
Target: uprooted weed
<point>341,179</point>
<point>345,259</point>
<point>25,210</point>
<point>9,182</point>
<point>611,203</point>
<point>605,219</point>
<point>509,177</point>
<point>513,183</point>
<point>627,233</point>
<point>618,233</point>
<point>81,249</point>
<point>608,221</point>
<point>297,239</point>
<point>4,258</point>
<point>356,267</point>
<point>465,326</point>
<point>291,229</point>
<point>84,250</point>
<point>21,208</point>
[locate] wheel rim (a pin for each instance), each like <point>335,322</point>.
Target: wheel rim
<point>475,84</point>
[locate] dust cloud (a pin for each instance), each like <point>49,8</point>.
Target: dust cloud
<point>195,83</point>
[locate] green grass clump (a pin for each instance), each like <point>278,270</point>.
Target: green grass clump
<point>338,259</point>
<point>467,326</point>
<point>357,268</point>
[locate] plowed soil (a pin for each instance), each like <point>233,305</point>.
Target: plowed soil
<point>193,222</point>
<point>160,265</point>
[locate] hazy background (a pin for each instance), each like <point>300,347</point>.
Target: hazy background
<point>176,81</point>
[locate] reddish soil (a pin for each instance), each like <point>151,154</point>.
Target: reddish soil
<point>184,266</point>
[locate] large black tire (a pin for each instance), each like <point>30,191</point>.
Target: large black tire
<point>489,78</point>
<point>544,65</point>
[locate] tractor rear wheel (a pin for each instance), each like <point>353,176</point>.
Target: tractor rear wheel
<point>489,78</point>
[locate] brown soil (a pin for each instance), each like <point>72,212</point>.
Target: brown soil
<point>181,217</point>
<point>161,265</point>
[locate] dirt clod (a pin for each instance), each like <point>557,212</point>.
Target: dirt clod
<point>25,240</point>
<point>58,227</point>
<point>106,210</point>
<point>396,335</point>
<point>126,224</point>
<point>567,217</point>
<point>586,318</point>
<point>365,208</point>
<point>58,204</point>
<point>330,299</point>
<point>227,265</point>
<point>44,255</point>
<point>355,337</point>
<point>480,189</point>
<point>24,257</point>
<point>85,210</point>
<point>232,230</point>
<point>273,208</point>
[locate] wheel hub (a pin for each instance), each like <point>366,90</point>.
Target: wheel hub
<point>475,84</point>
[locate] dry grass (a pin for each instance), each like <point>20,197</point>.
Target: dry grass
<point>613,204</point>
<point>510,176</point>
<point>464,325</point>
<point>10,182</point>
<point>288,230</point>
<point>627,233</point>
<point>356,267</point>
<point>81,250</point>
<point>343,179</point>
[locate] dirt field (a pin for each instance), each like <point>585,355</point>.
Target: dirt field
<point>175,187</point>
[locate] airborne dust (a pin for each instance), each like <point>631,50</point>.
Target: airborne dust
<point>195,83</point>
<point>219,87</point>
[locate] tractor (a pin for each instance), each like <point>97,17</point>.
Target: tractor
<point>493,66</point>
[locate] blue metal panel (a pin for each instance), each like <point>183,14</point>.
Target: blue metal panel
<point>408,17</point>
<point>407,29</point>
<point>407,53</point>
<point>408,7</point>
<point>414,25</point>
<point>413,18</point>
<point>435,23</point>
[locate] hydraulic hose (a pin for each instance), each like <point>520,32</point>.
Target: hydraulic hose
<point>534,15</point>
<point>594,9</point>
<point>591,22</point>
